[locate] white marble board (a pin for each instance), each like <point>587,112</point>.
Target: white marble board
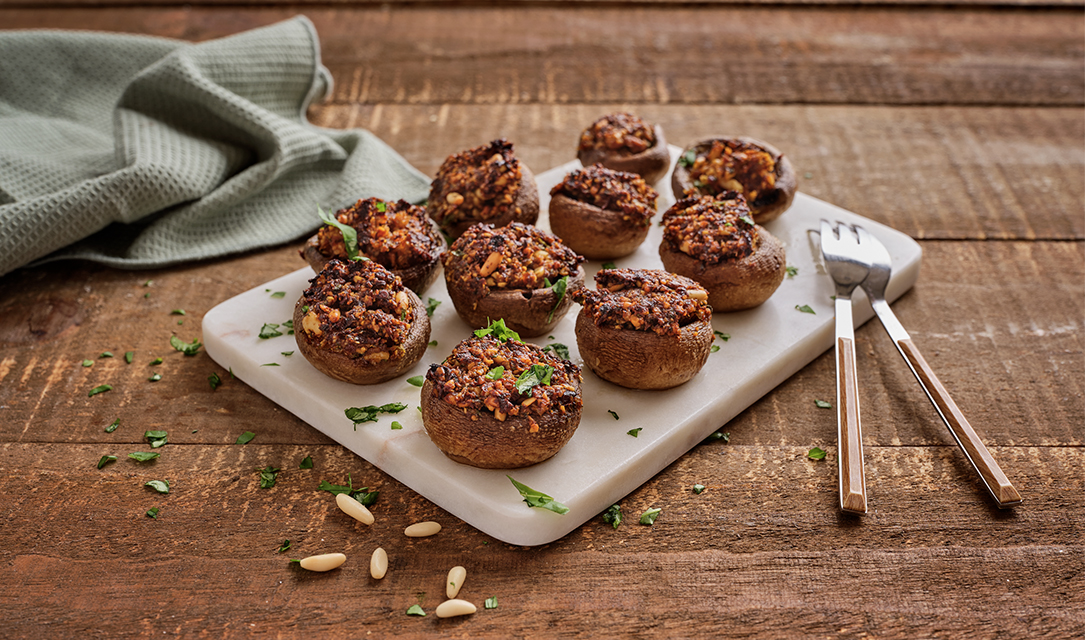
<point>601,463</point>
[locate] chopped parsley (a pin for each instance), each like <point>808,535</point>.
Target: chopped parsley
<point>821,404</point>
<point>538,499</point>
<point>155,378</point>
<point>287,353</point>
<point>698,489</point>
<point>415,610</point>
<point>559,349</point>
<point>279,294</point>
<point>245,438</point>
<point>496,373</point>
<point>189,349</point>
<point>177,312</point>
<point>719,435</point>
<point>267,476</point>
<point>102,388</point>
<point>113,426</point>
<point>161,486</point>
<point>431,306</point>
<point>270,364</point>
<point>396,426</point>
<point>558,288</point>
<point>609,265</point>
<point>270,330</point>
<point>284,547</point>
<point>88,363</point>
<point>491,602</point>
<point>417,381</point>
<point>128,356</point>
<point>156,438</point>
<point>747,219</point>
<point>792,271</point>
<point>816,453</point>
<point>153,511</point>
<point>106,460</point>
<point>359,415</point>
<point>498,330</point>
<point>433,343</point>
<point>155,362</point>
<point>688,158</point>
<point>805,308</point>
<point>613,413</point>
<point>306,463</point>
<point>142,456</point>
<point>363,495</point>
<point>634,432</point>
<point>350,235</point>
<point>214,380</point>
<point>536,374</point>
<point>714,348</point>
<point>722,336</point>
<point>613,515</point>
<point>106,354</point>
<point>649,516</point>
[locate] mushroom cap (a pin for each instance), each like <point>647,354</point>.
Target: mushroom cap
<point>650,164</point>
<point>477,438</point>
<point>733,286</point>
<point>786,180</point>
<point>643,359</point>
<point>593,232</point>
<point>417,278</point>
<point>527,312</point>
<point>525,208</point>
<point>359,370</point>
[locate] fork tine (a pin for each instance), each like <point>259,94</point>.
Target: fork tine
<point>826,231</point>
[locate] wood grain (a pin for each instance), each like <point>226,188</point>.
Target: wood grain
<point>654,54</point>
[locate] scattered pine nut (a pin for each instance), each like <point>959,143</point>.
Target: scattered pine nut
<point>325,562</point>
<point>378,563</point>
<point>353,508</point>
<point>456,576</point>
<point>422,529</point>
<point>452,608</point>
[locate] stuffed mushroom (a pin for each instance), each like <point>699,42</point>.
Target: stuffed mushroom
<point>644,328</point>
<point>357,323</point>
<point>748,166</point>
<point>600,213</point>
<point>518,273</point>
<point>624,142</point>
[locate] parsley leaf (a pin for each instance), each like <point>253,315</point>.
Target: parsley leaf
<point>279,294</point>
<point>491,603</point>
<point>649,516</point>
<point>106,460</point>
<point>154,362</point>
<point>498,330</point>
<point>161,486</point>
<point>747,219</point>
<point>270,330</point>
<point>245,438</point>
<point>698,489</point>
<point>153,512</point>
<point>714,348</point>
<point>359,415</point>
<point>722,336</point>
<point>534,375</point>
<point>396,426</point>
<point>821,404</point>
<point>267,476</point>
<point>155,377</point>
<point>142,456</point>
<point>284,547</point>
<point>558,288</point>
<point>538,499</point>
<point>350,235</point>
<point>363,495</point>
<point>609,265</point>
<point>417,381</point>
<point>113,426</point>
<point>415,610</point>
<point>177,312</point>
<point>792,271</point>
<point>306,463</point>
<point>106,354</point>
<point>156,438</point>
<point>88,363</point>
<point>613,413</point>
<point>496,373</point>
<point>189,349</point>
<point>559,349</point>
<point>214,380</point>
<point>688,158</point>
<point>128,356</point>
<point>805,308</point>
<point>634,432</point>
<point>613,515</point>
<point>431,306</point>
<point>816,454</point>
<point>719,435</point>
<point>102,388</point>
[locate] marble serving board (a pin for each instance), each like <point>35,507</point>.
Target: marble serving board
<point>601,463</point>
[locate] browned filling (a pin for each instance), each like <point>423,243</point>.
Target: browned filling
<point>712,230</point>
<point>398,235</point>
<point>645,300</point>
<point>470,379</point>
<point>731,165</point>
<point>626,193</point>
<point>622,133</point>
<point>358,309</point>
<point>478,184</point>
<point>516,256</point>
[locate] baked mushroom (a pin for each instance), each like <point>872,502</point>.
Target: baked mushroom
<point>715,242</point>
<point>518,273</point>
<point>601,213</point>
<point>644,328</point>
<point>397,235</point>
<point>357,323</point>
<point>485,184</point>
<point>498,403</point>
<point>751,167</point>
<point>624,142</point>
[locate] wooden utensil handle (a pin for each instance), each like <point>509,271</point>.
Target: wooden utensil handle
<point>850,438</point>
<point>997,483</point>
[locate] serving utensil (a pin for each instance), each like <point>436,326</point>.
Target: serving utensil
<point>874,254</point>
<point>842,254</point>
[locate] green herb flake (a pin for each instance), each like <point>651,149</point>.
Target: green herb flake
<point>613,515</point>
<point>153,512</point>
<point>245,438</point>
<point>538,499</point>
<point>722,336</point>
<point>417,381</point>
<point>105,354</point>
<point>156,438</point>
<point>178,312</point>
<point>498,330</point>
<point>698,489</point>
<point>490,603</point>
<point>396,426</point>
<point>270,330</point>
<point>270,364</point>
<point>714,348</point>
<point>360,415</point>
<point>284,547</point>
<point>267,476</point>
<point>129,356</point>
<point>688,158</point>
<point>142,456</point>
<point>558,288</point>
<point>431,306</point>
<point>649,516</point>
<point>279,294</point>
<point>287,353</point>
<point>634,432</point>
<point>214,380</point>
<point>821,404</point>
<point>161,486</point>
<point>148,283</point>
<point>559,349</point>
<point>805,309</point>
<point>306,463</point>
<point>792,271</point>
<point>719,435</point>
<point>380,206</point>
<point>154,362</point>
<point>350,235</point>
<point>496,373</point>
<point>535,375</point>
<point>816,454</point>
<point>415,610</point>
<point>104,460</point>
<point>609,265</point>
<point>747,219</point>
<point>189,349</point>
<point>155,378</point>
<point>613,413</point>
<point>113,426</point>
<point>102,388</point>
<point>88,363</point>
<point>433,343</point>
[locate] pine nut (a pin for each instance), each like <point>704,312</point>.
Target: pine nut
<point>456,576</point>
<point>353,508</point>
<point>451,608</point>
<point>488,267</point>
<point>325,562</point>
<point>378,564</point>
<point>422,529</point>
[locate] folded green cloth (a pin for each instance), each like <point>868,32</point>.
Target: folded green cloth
<point>141,152</point>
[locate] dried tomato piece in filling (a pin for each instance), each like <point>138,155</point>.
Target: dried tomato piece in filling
<point>478,184</point>
<point>733,165</point>
<point>516,256</point>
<point>397,235</point>
<point>619,132</point>
<point>644,300</point>
<point>357,308</point>
<point>712,230</point>
<point>626,193</point>
<point>468,378</point>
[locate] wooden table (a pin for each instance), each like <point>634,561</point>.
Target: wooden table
<point>959,125</point>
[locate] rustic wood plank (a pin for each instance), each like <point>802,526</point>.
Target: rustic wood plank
<point>430,54</point>
<point>46,4</point>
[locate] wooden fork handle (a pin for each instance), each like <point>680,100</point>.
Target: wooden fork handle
<point>998,484</point>
<point>849,433</point>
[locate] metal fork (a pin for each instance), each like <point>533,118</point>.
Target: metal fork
<point>874,252</point>
<point>840,249</point>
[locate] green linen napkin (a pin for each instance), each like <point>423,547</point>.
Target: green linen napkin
<point>141,152</point>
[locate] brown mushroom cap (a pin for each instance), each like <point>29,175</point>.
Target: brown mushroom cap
<point>527,312</point>
<point>737,285</point>
<point>643,359</point>
<point>786,180</point>
<point>477,438</point>
<point>650,164</point>
<point>595,233</point>
<point>360,370</point>
<point>525,208</point>
<point>417,278</point>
